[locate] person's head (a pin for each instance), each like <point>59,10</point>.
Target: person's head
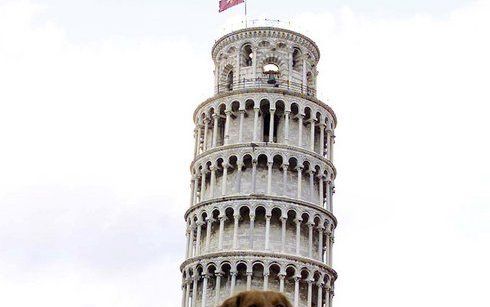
<point>257,299</point>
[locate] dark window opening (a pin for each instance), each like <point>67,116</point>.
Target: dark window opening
<point>229,84</point>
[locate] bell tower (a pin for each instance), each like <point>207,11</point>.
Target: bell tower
<point>288,62</point>
<point>261,208</point>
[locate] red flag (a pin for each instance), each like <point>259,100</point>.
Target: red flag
<point>226,4</point>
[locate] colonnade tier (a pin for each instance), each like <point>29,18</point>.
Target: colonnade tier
<point>214,277</point>
<point>271,118</point>
<point>260,224</point>
<point>270,169</point>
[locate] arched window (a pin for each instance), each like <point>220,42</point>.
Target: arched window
<point>229,81</point>
<point>247,56</point>
<point>297,64</point>
<point>272,71</point>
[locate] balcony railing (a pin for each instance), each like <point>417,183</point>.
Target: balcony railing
<point>266,83</point>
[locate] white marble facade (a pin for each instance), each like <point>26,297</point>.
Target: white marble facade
<point>261,199</point>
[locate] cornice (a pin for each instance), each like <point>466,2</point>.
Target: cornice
<point>265,145</point>
<point>261,197</point>
<point>266,32</point>
<point>271,256</point>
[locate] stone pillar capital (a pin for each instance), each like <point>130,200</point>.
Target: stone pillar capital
<point>219,274</point>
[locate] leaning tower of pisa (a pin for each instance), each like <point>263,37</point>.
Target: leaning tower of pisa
<point>261,210</point>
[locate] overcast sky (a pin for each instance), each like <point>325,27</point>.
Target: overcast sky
<point>96,138</point>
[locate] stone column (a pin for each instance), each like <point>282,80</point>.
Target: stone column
<point>320,190</point>
<point>194,291</point>
<point>312,183</point>
<point>224,178</point>
<point>267,230</point>
<point>213,181</point>
<point>198,149</point>
<point>300,179</point>
<point>330,246</point>
<point>310,239</point>
<point>215,129</point>
<point>283,233</point>
<point>266,281</point>
<point>235,230</point>
<point>271,126</point>
<point>320,294</point>
<point>312,134</point>
<point>187,234</point>
<point>328,198</point>
<point>328,297</point>
<point>286,127</point>
<point>209,226</point>
<point>321,151</point>
<point>196,141</point>
<point>251,231</point>
<point>254,175</point>
<point>221,230</point>
<point>191,239</point>
<point>269,177</point>
<point>217,289</point>
<point>193,187</point>
<point>321,229</point>
<point>204,289</point>
<point>281,281</point>
<point>206,127</point>
<point>198,238</point>
<point>254,63</point>
<point>284,178</point>
<point>239,177</point>
<point>298,235</point>
<point>310,292</point>
<point>233,282</point>
<point>296,290</point>
<point>305,83</point>
<point>249,280</point>
<point>240,133</point>
<point>300,130</point>
<point>203,184</point>
<point>187,292</point>
<point>196,185</point>
<point>227,127</point>
<point>256,123</point>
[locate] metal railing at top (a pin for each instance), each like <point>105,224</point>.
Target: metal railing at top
<point>251,23</point>
<point>266,83</point>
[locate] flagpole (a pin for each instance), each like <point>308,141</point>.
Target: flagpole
<point>246,22</point>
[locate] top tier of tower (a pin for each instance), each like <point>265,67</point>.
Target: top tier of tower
<point>266,57</point>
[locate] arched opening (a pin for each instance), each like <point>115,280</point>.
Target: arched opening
<point>229,81</point>
<point>247,56</point>
<point>271,70</point>
<point>297,64</point>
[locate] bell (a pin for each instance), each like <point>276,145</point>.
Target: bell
<point>271,80</point>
